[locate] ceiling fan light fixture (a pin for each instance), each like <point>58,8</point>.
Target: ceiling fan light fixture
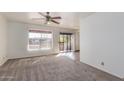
<point>48,22</point>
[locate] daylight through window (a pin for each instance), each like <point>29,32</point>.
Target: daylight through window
<point>39,40</point>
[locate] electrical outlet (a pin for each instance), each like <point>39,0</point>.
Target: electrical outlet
<point>102,63</point>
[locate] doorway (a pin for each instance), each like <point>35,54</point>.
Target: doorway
<point>66,42</point>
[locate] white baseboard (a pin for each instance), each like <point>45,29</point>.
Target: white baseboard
<point>102,69</point>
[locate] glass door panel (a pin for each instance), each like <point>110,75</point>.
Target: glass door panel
<point>65,42</point>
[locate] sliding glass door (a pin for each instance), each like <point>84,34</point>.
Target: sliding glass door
<point>65,42</point>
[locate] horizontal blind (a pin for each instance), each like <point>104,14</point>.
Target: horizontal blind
<point>40,31</point>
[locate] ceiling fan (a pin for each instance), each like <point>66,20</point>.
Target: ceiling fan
<point>48,18</point>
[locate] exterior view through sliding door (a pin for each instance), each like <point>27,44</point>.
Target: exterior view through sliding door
<point>66,42</point>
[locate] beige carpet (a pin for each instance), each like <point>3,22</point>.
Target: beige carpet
<point>61,67</point>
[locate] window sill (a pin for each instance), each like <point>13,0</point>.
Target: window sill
<point>29,50</point>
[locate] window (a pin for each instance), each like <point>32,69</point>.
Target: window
<point>39,40</point>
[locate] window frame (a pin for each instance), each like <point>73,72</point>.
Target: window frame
<point>40,31</point>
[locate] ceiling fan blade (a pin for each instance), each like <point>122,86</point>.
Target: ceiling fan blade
<point>42,14</point>
<point>57,17</point>
<point>55,22</point>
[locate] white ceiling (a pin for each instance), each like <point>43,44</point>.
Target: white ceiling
<point>69,19</point>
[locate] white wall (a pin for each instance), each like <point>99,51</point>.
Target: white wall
<point>18,39</point>
<point>77,43</point>
<point>102,39</point>
<point>3,40</point>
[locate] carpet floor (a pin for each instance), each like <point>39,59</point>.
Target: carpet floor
<point>61,67</point>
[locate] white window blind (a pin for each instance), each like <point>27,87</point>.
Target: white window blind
<point>39,40</point>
